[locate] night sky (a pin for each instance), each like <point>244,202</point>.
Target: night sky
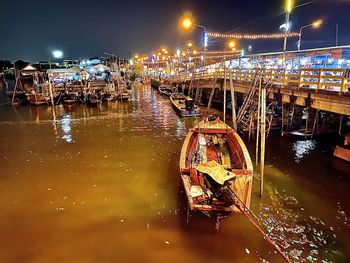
<point>30,30</point>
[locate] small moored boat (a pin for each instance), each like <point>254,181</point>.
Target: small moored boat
<point>216,170</point>
<point>343,151</point>
<point>184,105</point>
<point>38,99</point>
<point>165,90</point>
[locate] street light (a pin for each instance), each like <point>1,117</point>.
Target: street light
<point>57,54</point>
<point>187,23</point>
<point>288,9</point>
<point>231,44</point>
<point>189,44</point>
<point>315,24</point>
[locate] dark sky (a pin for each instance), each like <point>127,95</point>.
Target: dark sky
<point>30,30</point>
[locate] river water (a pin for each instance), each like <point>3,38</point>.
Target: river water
<point>102,184</point>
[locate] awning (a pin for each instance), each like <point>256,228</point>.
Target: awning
<point>72,70</point>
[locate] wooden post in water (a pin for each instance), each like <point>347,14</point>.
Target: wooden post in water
<point>258,126</point>
<point>307,122</point>
<point>262,132</point>
<point>50,87</point>
<point>233,103</point>
<point>16,80</point>
<point>51,93</point>
<point>225,88</point>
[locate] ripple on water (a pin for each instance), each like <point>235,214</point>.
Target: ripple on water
<point>302,238</point>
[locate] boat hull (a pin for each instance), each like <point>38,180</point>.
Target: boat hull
<point>342,153</point>
<point>37,99</point>
<point>243,168</point>
<point>180,108</point>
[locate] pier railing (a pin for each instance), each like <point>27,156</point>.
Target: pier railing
<point>336,80</point>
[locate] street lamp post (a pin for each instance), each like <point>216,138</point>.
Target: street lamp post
<point>289,7</point>
<point>56,54</point>
<point>314,24</point>
<point>187,23</point>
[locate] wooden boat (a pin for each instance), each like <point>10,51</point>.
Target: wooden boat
<point>19,99</point>
<point>165,90</point>
<point>124,96</point>
<point>216,170</point>
<point>92,100</point>
<point>69,98</point>
<point>38,99</point>
<point>343,152</point>
<point>184,105</point>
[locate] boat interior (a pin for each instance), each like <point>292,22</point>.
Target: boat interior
<point>219,147</point>
<point>216,166</point>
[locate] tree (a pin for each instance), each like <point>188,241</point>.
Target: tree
<point>5,64</point>
<point>20,64</point>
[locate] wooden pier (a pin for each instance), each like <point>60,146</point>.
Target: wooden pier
<point>321,89</point>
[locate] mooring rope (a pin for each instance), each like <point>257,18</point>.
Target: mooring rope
<point>250,215</point>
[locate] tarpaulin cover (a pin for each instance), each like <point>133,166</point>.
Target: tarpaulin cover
<point>216,171</point>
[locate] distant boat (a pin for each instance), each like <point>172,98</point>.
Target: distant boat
<point>165,90</point>
<point>38,99</point>
<point>19,99</point>
<point>69,98</point>
<point>92,100</point>
<point>343,151</point>
<point>184,105</point>
<point>124,95</point>
<point>216,170</point>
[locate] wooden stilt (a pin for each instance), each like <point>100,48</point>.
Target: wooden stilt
<point>262,132</point>
<point>315,124</point>
<point>282,118</point>
<point>212,92</point>
<point>307,121</point>
<point>340,124</point>
<point>233,103</point>
<point>51,93</point>
<point>258,126</point>
<point>14,90</point>
<point>224,92</point>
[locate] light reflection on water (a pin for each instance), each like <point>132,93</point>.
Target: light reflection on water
<point>116,190</point>
<point>302,148</point>
<point>66,128</point>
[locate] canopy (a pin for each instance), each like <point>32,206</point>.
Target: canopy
<point>216,171</point>
<point>72,70</point>
<point>101,67</point>
<point>29,68</point>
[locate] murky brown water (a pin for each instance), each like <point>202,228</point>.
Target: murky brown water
<point>102,185</point>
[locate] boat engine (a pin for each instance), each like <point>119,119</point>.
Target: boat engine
<point>189,103</point>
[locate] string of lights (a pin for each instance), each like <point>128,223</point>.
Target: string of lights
<point>249,36</point>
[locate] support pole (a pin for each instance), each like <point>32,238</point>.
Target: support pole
<point>315,124</point>
<point>258,126</point>
<point>224,89</point>
<point>262,131</point>
<point>51,93</point>
<point>282,118</point>
<point>16,78</point>
<point>307,122</point>
<point>50,87</point>
<point>233,103</point>
<point>340,123</point>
